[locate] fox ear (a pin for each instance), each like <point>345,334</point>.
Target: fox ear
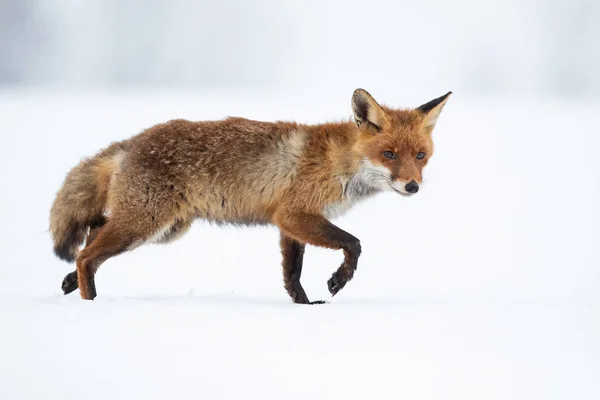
<point>366,110</point>
<point>432,110</point>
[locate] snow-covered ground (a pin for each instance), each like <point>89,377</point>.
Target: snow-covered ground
<point>485,285</point>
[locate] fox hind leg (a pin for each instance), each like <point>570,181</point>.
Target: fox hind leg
<point>117,236</point>
<point>69,283</point>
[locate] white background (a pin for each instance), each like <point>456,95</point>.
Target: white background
<point>484,285</point>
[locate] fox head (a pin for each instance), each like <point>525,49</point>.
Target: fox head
<point>394,145</point>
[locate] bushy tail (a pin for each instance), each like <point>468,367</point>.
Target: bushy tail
<point>80,202</point>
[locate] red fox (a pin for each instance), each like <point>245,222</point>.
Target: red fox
<point>151,187</point>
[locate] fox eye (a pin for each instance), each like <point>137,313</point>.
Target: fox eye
<point>389,154</point>
<point>420,155</point>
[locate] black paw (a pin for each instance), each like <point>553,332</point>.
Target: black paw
<point>70,283</point>
<point>298,295</point>
<point>336,283</point>
<point>299,298</point>
<point>296,292</point>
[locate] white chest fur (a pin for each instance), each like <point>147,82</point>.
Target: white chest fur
<point>354,189</point>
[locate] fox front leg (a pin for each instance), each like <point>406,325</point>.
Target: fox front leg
<point>318,231</point>
<point>292,253</point>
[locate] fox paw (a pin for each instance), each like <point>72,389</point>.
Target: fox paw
<point>299,297</point>
<point>336,283</point>
<point>70,283</point>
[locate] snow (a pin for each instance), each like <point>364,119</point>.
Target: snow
<point>485,285</point>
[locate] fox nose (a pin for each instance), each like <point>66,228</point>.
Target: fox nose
<point>412,187</point>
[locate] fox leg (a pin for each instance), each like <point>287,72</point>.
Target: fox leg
<point>293,253</point>
<point>117,236</point>
<point>318,231</point>
<point>69,283</point>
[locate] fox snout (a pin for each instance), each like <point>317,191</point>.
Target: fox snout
<point>406,188</point>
